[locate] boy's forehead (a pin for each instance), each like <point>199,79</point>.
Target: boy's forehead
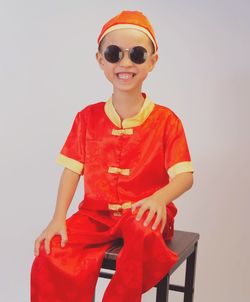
<point>126,37</point>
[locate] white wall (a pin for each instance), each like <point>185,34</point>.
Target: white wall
<point>49,72</point>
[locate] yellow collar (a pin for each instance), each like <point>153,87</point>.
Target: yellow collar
<point>132,121</point>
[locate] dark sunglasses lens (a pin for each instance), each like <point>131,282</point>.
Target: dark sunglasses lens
<point>112,53</point>
<point>138,54</point>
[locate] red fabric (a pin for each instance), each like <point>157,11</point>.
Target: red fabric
<point>155,146</point>
<point>176,147</point>
<point>74,147</point>
<point>69,274</point>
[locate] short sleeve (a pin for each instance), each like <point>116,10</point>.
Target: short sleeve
<point>72,153</point>
<point>177,155</point>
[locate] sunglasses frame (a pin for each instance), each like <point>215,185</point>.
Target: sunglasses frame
<point>129,50</point>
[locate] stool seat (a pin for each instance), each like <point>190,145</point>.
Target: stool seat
<point>185,245</point>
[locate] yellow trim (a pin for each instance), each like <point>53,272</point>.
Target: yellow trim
<point>122,131</point>
<point>116,207</point>
<point>129,26</point>
<point>70,163</point>
<point>133,121</point>
<point>117,170</point>
<point>185,166</point>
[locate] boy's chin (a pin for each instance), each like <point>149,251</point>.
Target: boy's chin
<point>126,88</point>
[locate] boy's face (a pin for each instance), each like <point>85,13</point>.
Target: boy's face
<point>126,38</point>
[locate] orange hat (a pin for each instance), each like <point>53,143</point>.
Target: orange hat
<point>129,19</point>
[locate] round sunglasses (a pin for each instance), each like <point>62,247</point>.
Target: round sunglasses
<point>114,54</point>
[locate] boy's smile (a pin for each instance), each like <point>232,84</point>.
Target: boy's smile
<point>125,76</point>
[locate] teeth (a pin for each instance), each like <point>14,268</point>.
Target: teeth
<point>125,75</point>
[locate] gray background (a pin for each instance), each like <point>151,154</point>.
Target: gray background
<point>49,72</point>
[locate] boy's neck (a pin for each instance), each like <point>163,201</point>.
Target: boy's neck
<point>127,104</point>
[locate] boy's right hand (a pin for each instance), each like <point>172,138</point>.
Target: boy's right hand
<point>55,227</point>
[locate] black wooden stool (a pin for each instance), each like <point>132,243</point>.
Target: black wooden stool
<point>185,244</point>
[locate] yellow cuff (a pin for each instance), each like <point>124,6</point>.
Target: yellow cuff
<point>70,163</point>
<point>184,166</point>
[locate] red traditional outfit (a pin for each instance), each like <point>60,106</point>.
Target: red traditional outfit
<point>122,162</point>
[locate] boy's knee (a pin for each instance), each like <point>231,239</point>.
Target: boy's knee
<point>55,241</point>
<point>141,229</point>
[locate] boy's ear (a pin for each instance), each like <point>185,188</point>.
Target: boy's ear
<point>154,59</point>
<point>99,59</point>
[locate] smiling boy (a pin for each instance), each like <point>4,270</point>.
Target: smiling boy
<point>135,160</point>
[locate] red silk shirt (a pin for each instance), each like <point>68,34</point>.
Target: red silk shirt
<point>125,161</point>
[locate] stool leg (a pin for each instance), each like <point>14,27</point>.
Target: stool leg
<point>190,276</point>
<point>162,290</point>
<point>93,297</point>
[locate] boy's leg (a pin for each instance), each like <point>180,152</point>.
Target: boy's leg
<point>141,263</point>
<point>70,273</point>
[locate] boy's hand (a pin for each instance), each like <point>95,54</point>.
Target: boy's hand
<point>155,206</point>
<point>55,227</point>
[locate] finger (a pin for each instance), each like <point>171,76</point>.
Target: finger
<point>135,205</point>
<point>149,217</point>
<point>141,211</point>
<point>37,245</point>
<point>47,244</point>
<point>164,221</point>
<point>163,225</point>
<point>64,238</point>
<point>157,220</point>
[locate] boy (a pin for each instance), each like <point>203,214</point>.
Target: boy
<point>135,160</point>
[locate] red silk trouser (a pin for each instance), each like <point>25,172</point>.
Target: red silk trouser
<point>70,273</point>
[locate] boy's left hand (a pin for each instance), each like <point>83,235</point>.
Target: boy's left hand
<point>155,205</point>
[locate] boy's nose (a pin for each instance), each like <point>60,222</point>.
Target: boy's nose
<point>125,60</point>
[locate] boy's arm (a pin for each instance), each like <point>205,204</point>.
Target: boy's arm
<point>67,187</point>
<point>57,226</point>
<point>156,203</point>
<point>176,187</point>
